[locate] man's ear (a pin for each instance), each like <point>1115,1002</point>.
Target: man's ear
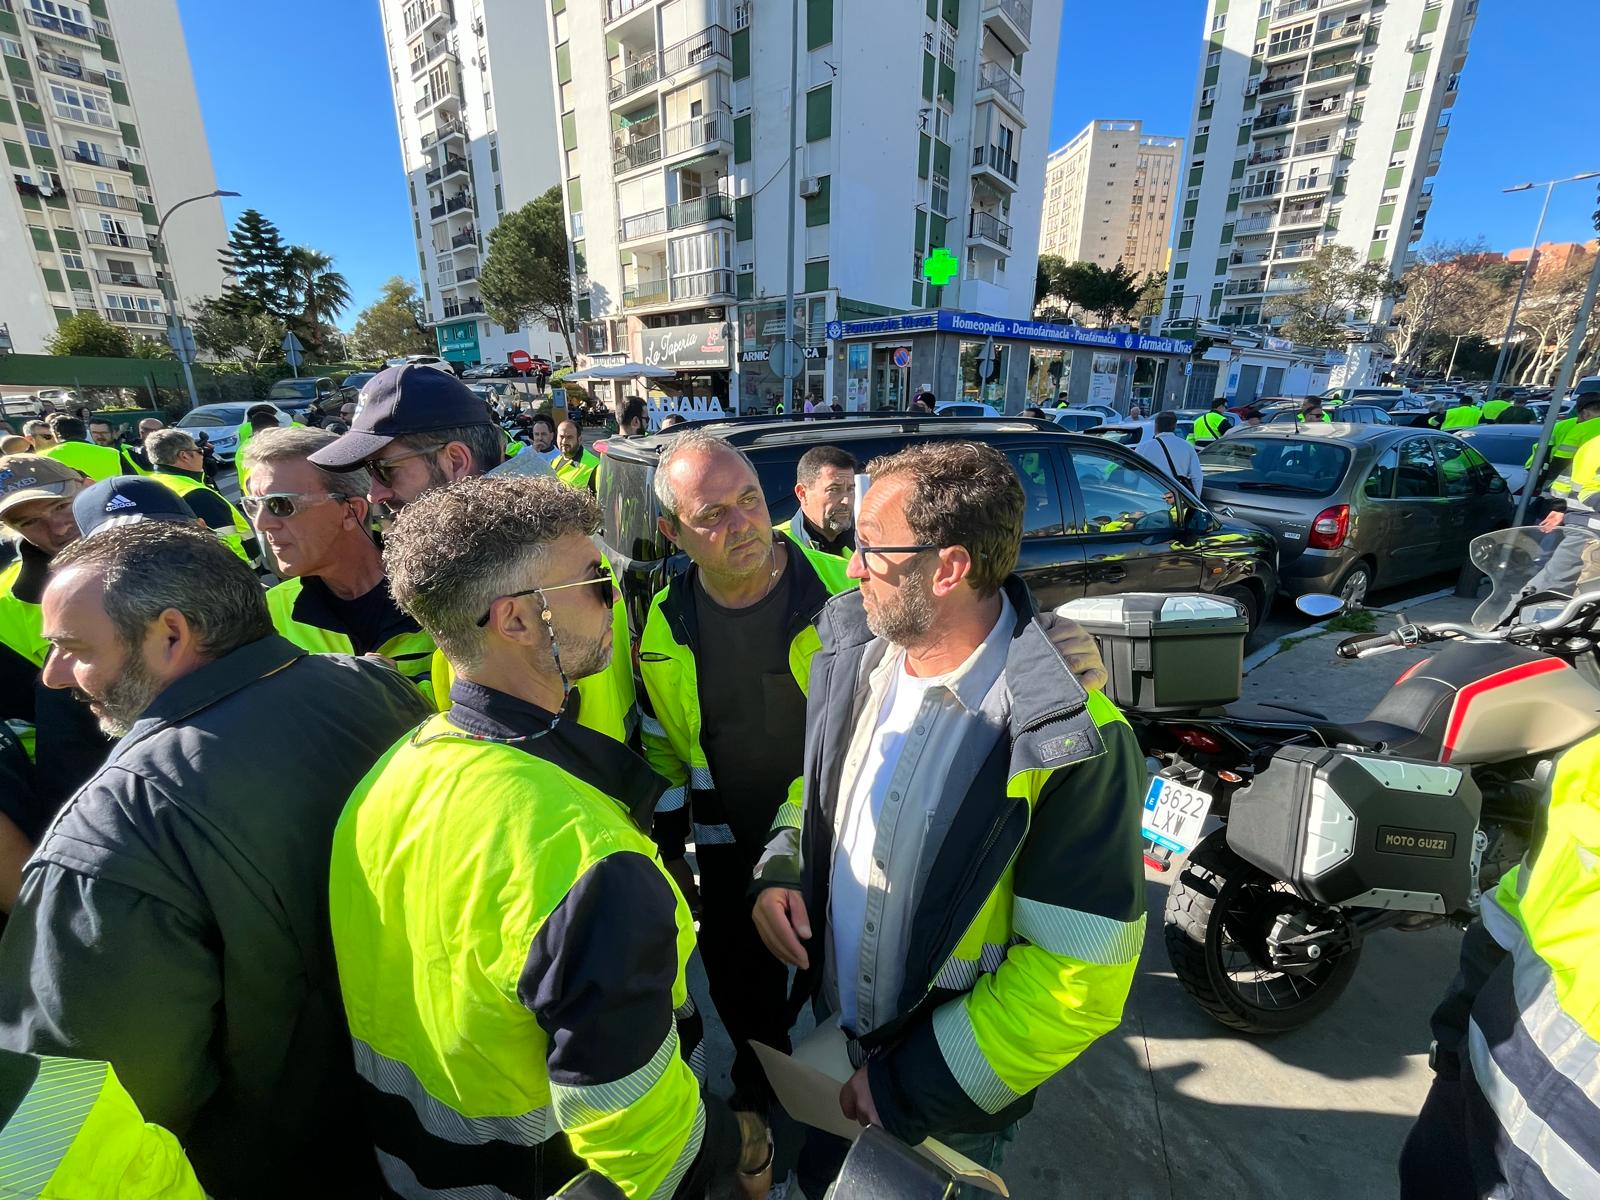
<point>169,642</point>
<point>667,530</point>
<point>955,566</point>
<point>458,462</point>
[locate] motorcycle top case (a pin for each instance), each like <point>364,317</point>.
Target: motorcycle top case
<point>1363,830</point>
<point>1165,650</point>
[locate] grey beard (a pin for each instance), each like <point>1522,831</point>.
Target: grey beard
<point>125,700</point>
<point>906,621</point>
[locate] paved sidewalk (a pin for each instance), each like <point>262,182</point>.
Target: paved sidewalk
<point>1174,1105</point>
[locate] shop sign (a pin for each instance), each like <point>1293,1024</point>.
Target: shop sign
<point>1007,328</point>
<point>685,347</point>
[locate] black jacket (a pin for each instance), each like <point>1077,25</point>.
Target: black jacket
<point>174,918</point>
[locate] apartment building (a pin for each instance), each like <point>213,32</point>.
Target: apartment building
<point>1108,197</point>
<point>920,139</point>
<point>1315,122</point>
<point>103,137</point>
<point>476,119</point>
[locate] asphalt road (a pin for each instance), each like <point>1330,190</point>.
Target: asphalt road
<point>1286,621</point>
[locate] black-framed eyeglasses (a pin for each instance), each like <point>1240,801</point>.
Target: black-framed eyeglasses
<point>382,469</point>
<point>284,505</point>
<point>867,552</point>
<point>606,583</point>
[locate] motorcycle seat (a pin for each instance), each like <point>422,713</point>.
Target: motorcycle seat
<point>1374,735</point>
<point>1386,735</point>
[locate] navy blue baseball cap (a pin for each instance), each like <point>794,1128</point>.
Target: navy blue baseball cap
<point>124,499</point>
<point>401,400</point>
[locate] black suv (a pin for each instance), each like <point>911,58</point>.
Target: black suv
<point>1099,518</point>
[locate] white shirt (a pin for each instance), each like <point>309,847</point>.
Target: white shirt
<point>1185,460</point>
<point>920,726</point>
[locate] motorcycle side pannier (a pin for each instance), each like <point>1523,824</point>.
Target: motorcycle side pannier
<point>1365,830</point>
<point>1164,650</point>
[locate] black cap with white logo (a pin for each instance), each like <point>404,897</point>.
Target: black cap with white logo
<point>398,401</point>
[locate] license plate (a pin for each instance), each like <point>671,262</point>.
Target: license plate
<point>1174,814</point>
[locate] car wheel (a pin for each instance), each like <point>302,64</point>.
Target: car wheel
<point>1246,598</point>
<point>1354,586</point>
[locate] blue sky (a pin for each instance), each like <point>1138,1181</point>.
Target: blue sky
<point>300,117</point>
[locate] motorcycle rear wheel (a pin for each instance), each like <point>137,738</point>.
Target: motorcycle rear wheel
<point>1217,914</point>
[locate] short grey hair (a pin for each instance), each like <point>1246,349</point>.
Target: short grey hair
<point>164,446</point>
<point>486,442</point>
<point>151,566</point>
<point>454,551</point>
<point>35,427</point>
<point>691,441</point>
<point>289,442</point>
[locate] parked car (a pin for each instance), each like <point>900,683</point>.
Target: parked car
<point>1507,447</point>
<point>1076,420</point>
<point>1105,410</point>
<point>966,408</point>
<point>1356,506</point>
<point>424,360</point>
<point>220,423</point>
<point>350,386</point>
<point>1384,397</point>
<point>1584,386</point>
<point>1099,518</point>
<point>1131,433</point>
<point>1354,414</point>
<point>22,406</point>
<point>299,397</point>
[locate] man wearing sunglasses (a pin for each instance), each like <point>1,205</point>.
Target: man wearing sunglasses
<point>962,885</point>
<point>553,994</point>
<point>334,597</point>
<point>418,430</point>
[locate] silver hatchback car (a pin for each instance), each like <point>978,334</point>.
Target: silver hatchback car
<point>1356,506</point>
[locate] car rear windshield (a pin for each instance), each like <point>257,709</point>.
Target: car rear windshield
<point>1285,466</point>
<point>294,387</point>
<point>1507,449</point>
<point>202,419</point>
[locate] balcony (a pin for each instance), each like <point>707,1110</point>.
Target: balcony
<point>700,211</point>
<point>1293,8</point>
<point>637,145</point>
<point>640,73</point>
<point>134,316</point>
<point>1276,154</point>
<point>1240,258</point>
<point>127,279</point>
<point>1342,32</point>
<point>1321,110</point>
<point>645,292</point>
<point>706,47</point>
<point>431,99</point>
<point>454,277</point>
<point>1294,218</point>
<point>422,14</point>
<point>71,69</point>
<point>455,204</point>
<point>454,165</point>
<point>1244,287</point>
<point>703,285</point>
<point>467,237</point>
<point>1280,82</point>
<point>61,25</point>
<point>1254,225</point>
<point>994,166</point>
<point>698,132</point>
<point>617,9</point>
<point>1279,286</point>
<point>1273,119</point>
<point>642,225</point>
<point>84,116</point>
<point>1320,145</point>
<point>1261,190</point>
<point>1284,47</point>
<point>100,161</point>
<point>1333,71</point>
<point>122,241</point>
<point>1011,21</point>
<point>1311,183</point>
<point>995,82</point>
<point>105,199</point>
<point>1296,250</point>
<point>445,127</point>
<point>986,227</point>
<point>440,49</point>
<point>461,308</point>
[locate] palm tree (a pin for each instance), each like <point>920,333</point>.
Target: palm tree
<point>322,292</point>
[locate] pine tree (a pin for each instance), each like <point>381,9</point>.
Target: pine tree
<point>257,265</point>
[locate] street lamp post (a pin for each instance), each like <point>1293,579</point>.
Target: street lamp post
<point>1549,187</point>
<point>175,315</point>
<point>1450,370</point>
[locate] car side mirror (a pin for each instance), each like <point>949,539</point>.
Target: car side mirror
<point>1197,520</point>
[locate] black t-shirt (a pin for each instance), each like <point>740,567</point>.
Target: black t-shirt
<point>752,712</point>
<point>844,540</point>
<point>368,620</point>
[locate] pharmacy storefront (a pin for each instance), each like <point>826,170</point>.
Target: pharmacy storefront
<point>880,363</point>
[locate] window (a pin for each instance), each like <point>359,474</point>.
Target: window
<point>73,262</point>
<point>1457,472</point>
<point>37,137</point>
<point>1041,502</point>
<point>1380,483</point>
<point>1380,235</point>
<point>80,104</point>
<point>1208,97</point>
<point>1416,477</point>
<point>947,45</point>
<point>1220,22</point>
<point>1119,496</point>
<point>113,75</point>
<point>941,194</point>
<point>24,93</point>
<point>941,122</point>
<point>1214,59</point>
<point>10,48</point>
<point>1188,225</point>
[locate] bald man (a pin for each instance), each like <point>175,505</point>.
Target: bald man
<point>574,465</point>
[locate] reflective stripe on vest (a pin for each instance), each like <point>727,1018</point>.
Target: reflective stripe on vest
<point>411,652</point>
<point>577,474</point>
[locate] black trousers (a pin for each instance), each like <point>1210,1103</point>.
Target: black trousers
<point>1436,1160</point>
<point>749,987</point>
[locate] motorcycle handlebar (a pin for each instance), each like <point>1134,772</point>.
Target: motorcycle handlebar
<point>1362,644</point>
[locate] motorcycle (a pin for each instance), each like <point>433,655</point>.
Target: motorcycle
<point>1331,831</point>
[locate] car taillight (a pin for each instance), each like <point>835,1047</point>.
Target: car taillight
<point>1330,528</point>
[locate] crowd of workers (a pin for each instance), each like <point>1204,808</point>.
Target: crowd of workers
<point>377,880</point>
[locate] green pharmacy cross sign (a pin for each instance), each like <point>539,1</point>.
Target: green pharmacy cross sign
<point>940,267</point>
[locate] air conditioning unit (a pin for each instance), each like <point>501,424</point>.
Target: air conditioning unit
<point>810,187</point>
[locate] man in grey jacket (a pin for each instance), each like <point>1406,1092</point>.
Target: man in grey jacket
<point>173,920</point>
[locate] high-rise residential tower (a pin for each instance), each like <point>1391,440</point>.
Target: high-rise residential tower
<point>476,116</point>
<point>1316,121</point>
<point>920,137</point>
<point>103,137</point>
<point>1108,197</point>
